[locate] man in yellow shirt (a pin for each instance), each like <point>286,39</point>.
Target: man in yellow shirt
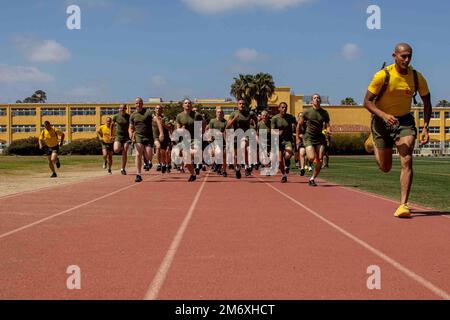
<point>392,121</point>
<point>104,135</point>
<point>48,141</point>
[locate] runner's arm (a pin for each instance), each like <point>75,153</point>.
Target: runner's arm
<point>427,108</point>
<point>369,104</point>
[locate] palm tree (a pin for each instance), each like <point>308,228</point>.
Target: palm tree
<point>349,101</point>
<point>41,96</point>
<point>244,88</point>
<point>265,87</point>
<point>443,103</point>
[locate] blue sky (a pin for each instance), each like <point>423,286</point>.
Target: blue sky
<point>194,48</point>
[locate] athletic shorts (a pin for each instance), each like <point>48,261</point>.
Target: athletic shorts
<point>122,140</point>
<point>162,144</point>
<point>312,141</point>
<point>146,141</point>
<point>286,145</point>
<point>107,146</point>
<point>384,135</point>
<point>48,151</point>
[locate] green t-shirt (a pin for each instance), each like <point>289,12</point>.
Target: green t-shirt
<point>218,124</point>
<point>243,120</point>
<point>315,120</point>
<point>156,129</point>
<point>187,121</point>
<point>284,124</point>
<point>142,122</point>
<point>122,124</point>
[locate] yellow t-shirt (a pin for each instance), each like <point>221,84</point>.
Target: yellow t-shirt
<point>105,133</point>
<point>397,99</point>
<point>50,138</point>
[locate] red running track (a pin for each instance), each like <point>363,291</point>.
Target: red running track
<point>217,238</point>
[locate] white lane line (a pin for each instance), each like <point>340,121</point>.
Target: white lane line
<point>436,290</point>
<point>4,235</point>
<point>160,277</point>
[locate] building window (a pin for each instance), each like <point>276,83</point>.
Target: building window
<point>2,129</point>
<point>447,145</point>
<point>61,127</point>
<point>432,145</point>
<point>109,111</point>
<point>83,128</point>
<point>435,115</point>
<point>447,114</point>
<point>447,129</point>
<point>54,112</point>
<point>24,112</point>
<point>228,110</point>
<point>431,129</point>
<point>24,128</point>
<point>2,112</point>
<point>82,111</point>
<point>420,114</point>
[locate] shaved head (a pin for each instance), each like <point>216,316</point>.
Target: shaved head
<point>403,47</point>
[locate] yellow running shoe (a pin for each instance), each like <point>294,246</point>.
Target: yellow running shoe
<point>402,211</point>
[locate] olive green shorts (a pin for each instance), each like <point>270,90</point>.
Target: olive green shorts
<point>311,141</point>
<point>107,146</point>
<point>146,141</point>
<point>384,135</point>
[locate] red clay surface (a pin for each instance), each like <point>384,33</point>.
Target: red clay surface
<point>246,239</point>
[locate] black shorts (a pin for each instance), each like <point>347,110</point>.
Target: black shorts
<point>48,151</point>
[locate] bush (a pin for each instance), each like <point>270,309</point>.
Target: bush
<point>348,143</point>
<point>24,147</point>
<point>82,147</point>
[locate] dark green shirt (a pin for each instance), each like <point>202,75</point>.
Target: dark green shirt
<point>243,120</point>
<point>218,124</point>
<point>122,124</point>
<point>142,122</point>
<point>284,124</point>
<point>315,120</point>
<point>156,129</point>
<point>187,121</point>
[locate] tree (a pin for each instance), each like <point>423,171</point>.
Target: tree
<point>265,87</point>
<point>349,101</point>
<point>259,87</point>
<point>38,96</point>
<point>443,103</point>
<point>244,88</point>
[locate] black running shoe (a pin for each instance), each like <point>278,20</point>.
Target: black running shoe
<point>287,169</point>
<point>238,174</point>
<point>53,175</point>
<point>302,172</point>
<point>192,178</point>
<point>283,179</point>
<point>224,174</point>
<point>150,165</point>
<point>138,179</point>
<point>123,172</point>
<point>312,183</point>
<point>158,167</point>
<point>248,172</point>
<point>58,164</point>
<point>146,168</point>
<point>203,167</point>
<point>163,169</point>
<point>109,171</point>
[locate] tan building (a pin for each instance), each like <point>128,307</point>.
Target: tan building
<point>79,121</point>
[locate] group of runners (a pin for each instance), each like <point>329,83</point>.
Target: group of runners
<point>305,137</point>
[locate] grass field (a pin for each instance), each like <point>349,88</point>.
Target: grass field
<point>431,183</point>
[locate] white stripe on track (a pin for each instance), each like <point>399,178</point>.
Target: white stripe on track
<point>4,235</point>
<point>160,277</point>
<point>436,290</point>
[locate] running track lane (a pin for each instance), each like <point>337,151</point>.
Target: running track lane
<point>248,241</point>
<point>117,241</point>
<point>230,250</point>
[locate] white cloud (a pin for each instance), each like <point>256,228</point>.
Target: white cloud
<point>218,6</point>
<point>351,51</point>
<point>35,50</point>
<point>159,81</point>
<point>10,74</point>
<point>250,55</point>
